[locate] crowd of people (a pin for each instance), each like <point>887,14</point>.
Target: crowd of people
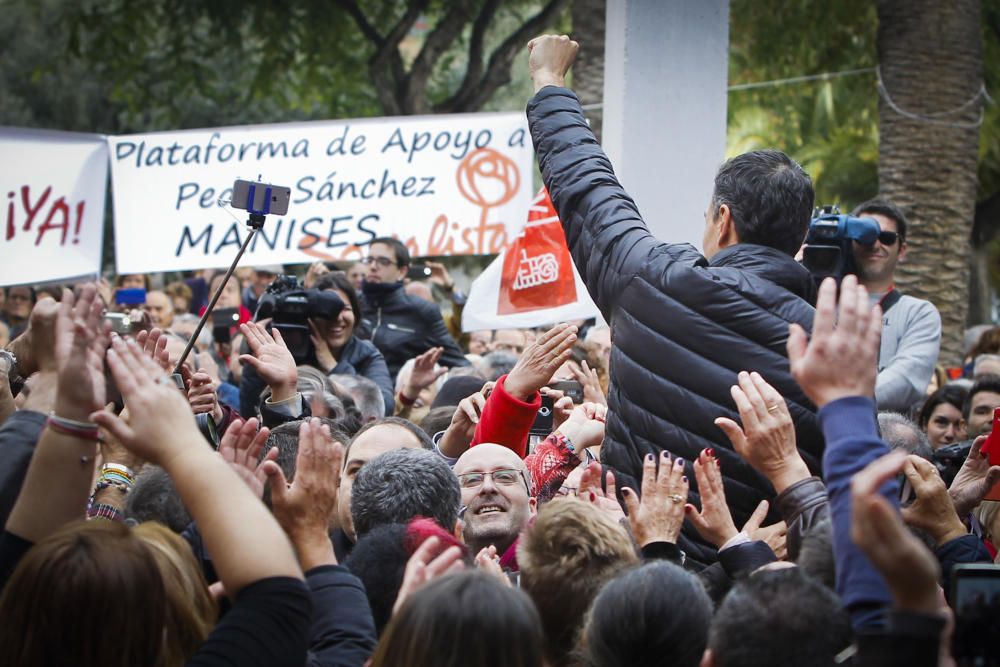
<point>740,466</point>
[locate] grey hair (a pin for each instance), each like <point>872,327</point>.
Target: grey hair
<point>902,433</point>
<point>313,383</point>
<point>403,484</point>
<point>496,364</point>
<point>366,394</point>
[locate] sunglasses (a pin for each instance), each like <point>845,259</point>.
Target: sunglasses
<point>888,238</point>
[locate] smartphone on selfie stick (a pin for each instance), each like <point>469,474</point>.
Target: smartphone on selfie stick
<point>259,200</point>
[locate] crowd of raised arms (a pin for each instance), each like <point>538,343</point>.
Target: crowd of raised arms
<point>737,465</point>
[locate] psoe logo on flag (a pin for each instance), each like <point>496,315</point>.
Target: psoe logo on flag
<point>534,271</point>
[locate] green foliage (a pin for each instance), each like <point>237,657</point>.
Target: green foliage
<point>830,126</point>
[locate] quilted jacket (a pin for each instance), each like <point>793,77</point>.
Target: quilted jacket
<point>682,326</point>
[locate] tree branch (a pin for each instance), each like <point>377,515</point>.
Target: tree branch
<point>474,70</point>
<point>474,96</point>
<point>415,97</point>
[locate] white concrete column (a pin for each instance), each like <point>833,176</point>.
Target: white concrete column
<point>665,80</point>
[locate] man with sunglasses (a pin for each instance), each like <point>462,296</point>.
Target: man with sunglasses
<point>911,333</point>
<point>401,326</point>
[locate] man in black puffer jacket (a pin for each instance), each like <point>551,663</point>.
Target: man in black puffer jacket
<point>683,324</point>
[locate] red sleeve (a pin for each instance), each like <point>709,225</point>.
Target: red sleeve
<point>506,420</point>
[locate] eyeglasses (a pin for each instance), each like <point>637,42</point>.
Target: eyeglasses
<point>505,477</point>
<point>888,238</point>
<point>381,261</point>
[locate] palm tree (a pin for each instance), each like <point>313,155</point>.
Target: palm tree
<point>930,56</point>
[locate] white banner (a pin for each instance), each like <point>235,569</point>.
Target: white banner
<point>444,185</point>
<point>55,184</point>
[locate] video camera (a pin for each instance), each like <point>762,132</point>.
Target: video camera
<point>828,250</point>
<point>290,307</point>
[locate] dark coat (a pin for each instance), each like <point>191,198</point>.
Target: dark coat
<point>403,326</point>
<point>682,326</point>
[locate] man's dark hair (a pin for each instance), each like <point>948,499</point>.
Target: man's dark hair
<point>780,617</point>
<point>154,497</point>
<point>883,207</point>
<point>286,438</point>
<point>398,249</point>
<point>901,433</point>
<point>337,280</point>
<point>769,196</point>
<point>399,485</point>
<point>986,382</point>
<point>379,561</point>
<point>658,614</point>
<point>952,394</point>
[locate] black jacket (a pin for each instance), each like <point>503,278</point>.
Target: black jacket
<point>403,326</point>
<point>682,326</point>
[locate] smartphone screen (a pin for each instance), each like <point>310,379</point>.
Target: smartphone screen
<point>543,419</point>
<point>570,388</point>
<point>975,598</point>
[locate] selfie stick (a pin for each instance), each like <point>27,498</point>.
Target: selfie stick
<point>255,222</point>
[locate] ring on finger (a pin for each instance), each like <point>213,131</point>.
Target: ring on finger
<point>677,498</point>
<point>773,408</point>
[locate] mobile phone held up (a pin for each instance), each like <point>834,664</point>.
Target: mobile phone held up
<point>279,197</point>
<point>992,451</point>
<point>975,597</point>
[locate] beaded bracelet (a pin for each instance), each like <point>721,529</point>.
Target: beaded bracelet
<point>564,441</point>
<point>120,469</point>
<point>105,484</point>
<point>104,511</point>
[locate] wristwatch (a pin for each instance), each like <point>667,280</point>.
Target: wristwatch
<point>9,360</point>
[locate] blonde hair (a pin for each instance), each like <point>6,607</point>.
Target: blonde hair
<point>191,610</point>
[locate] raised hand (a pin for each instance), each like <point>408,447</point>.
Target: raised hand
<point>80,340</point>
<point>539,361</point>
<point>427,563</point>
<point>316,269</point>
<point>162,424</point>
<point>659,515</point>
<point>154,345</point>
<point>910,570</point>
<point>605,499</point>
<point>458,436</point>
<point>767,439</point>
<point>585,426</point>
<point>549,58</point>
<point>974,480</point>
<point>424,372</point>
<point>587,376</point>
<point>271,359</point>
<point>203,397</point>
<point>304,507</point>
<point>839,360</point>
<point>714,522</point>
<point>325,358</point>
<point>933,510</point>
<point>241,446</point>
<point>440,276</point>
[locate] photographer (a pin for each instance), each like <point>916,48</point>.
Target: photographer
<point>401,326</point>
<point>911,333</point>
<point>333,349</point>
